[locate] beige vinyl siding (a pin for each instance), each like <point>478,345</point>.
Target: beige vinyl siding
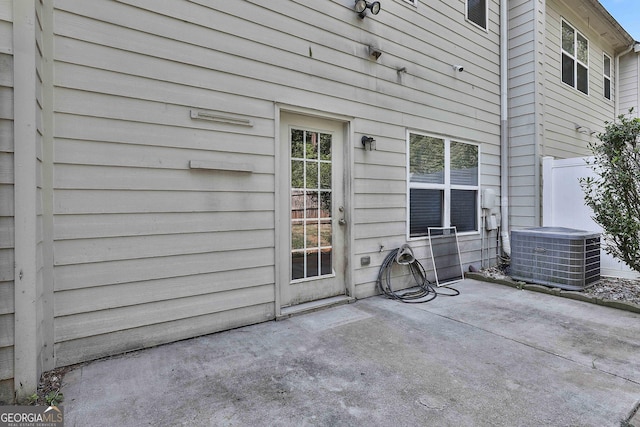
<point>544,111</point>
<point>565,106</point>
<point>44,182</point>
<point>629,84</point>
<point>40,321</point>
<point>6,204</point>
<point>525,24</point>
<point>149,251</point>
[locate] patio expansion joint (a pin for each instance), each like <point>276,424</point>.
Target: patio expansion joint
<point>544,350</point>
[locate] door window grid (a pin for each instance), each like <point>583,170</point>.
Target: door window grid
<point>311,233</point>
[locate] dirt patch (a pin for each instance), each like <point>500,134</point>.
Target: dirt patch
<point>49,388</point>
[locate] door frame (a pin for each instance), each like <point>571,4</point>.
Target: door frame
<point>281,197</point>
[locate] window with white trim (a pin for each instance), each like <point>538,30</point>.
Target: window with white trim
<point>413,2</point>
<point>443,184</point>
<point>477,12</point>
<point>606,75</point>
<point>575,58</point>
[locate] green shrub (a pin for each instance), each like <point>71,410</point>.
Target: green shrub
<point>614,193</point>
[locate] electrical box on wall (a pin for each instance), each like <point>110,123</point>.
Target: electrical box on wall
<point>491,222</point>
<point>488,200</point>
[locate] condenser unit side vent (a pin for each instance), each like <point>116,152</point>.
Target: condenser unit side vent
<point>555,256</point>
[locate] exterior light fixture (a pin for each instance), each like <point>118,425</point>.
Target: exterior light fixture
<point>369,143</point>
<point>584,129</point>
<point>362,6</point>
<point>374,52</point>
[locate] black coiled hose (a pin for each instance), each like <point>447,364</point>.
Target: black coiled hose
<point>425,291</point>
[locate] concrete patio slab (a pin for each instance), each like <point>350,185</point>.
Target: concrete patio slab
<point>493,356</point>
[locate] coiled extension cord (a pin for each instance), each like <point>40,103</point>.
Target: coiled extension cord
<point>425,291</point>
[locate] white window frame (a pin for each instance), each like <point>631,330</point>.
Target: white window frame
<point>486,15</point>
<point>606,78</point>
<point>412,2</point>
<point>446,187</point>
<point>574,57</point>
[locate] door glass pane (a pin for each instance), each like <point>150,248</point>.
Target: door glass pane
<point>297,265</point>
<point>312,175</point>
<point>312,263</point>
<point>312,234</point>
<point>325,204</point>
<point>325,234</point>
<point>325,176</point>
<point>311,204</point>
<point>325,262</point>
<point>297,235</point>
<point>426,159</point>
<point>325,146</point>
<point>311,145</point>
<point>297,144</point>
<point>297,174</point>
<point>297,204</point>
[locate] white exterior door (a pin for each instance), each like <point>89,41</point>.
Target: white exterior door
<point>312,209</point>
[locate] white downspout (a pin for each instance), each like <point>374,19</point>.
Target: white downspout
<point>636,49</point>
<point>617,82</point>
<point>504,129</point>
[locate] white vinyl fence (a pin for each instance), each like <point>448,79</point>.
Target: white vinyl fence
<point>563,206</point>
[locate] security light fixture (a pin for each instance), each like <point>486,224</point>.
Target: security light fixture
<point>369,143</point>
<point>374,52</point>
<point>362,6</point>
<point>584,129</point>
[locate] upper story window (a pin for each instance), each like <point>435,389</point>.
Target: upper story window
<point>575,58</point>
<point>606,75</point>
<point>443,184</point>
<point>477,12</point>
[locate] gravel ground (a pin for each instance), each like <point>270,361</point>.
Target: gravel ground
<point>616,289</point>
<point>612,288</point>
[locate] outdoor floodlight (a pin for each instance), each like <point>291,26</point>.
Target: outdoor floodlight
<point>362,6</point>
